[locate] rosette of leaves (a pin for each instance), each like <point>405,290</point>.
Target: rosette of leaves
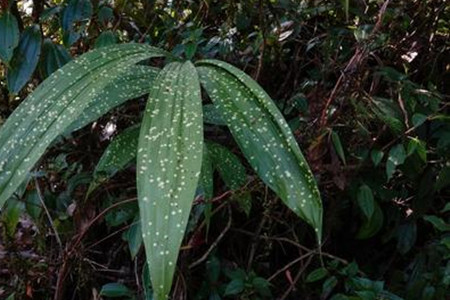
<point>170,145</point>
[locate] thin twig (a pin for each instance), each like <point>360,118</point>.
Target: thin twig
<point>49,217</point>
<point>101,214</point>
<point>258,232</point>
<point>359,56</point>
<point>286,240</point>
<point>290,265</point>
<point>215,243</point>
<point>297,277</point>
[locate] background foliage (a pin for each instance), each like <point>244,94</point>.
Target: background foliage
<point>365,87</point>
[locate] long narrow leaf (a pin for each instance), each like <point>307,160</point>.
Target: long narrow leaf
<point>134,82</point>
<point>264,137</point>
<point>56,104</point>
<point>168,168</point>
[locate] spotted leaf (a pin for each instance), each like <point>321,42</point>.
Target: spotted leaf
<point>264,137</point>
<point>229,166</point>
<point>206,183</point>
<point>134,82</point>
<point>168,168</point>
<point>119,153</point>
<point>55,104</point>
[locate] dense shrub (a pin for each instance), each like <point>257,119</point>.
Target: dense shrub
<point>364,87</point>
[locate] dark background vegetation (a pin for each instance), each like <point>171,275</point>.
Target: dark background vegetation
<point>365,87</point>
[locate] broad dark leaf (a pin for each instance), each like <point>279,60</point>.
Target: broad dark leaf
<point>76,11</point>
<point>53,57</point>
<point>106,38</point>
<point>25,59</point>
<point>9,36</point>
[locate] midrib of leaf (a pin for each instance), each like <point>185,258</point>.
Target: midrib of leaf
<point>265,140</point>
<point>81,80</point>
<point>168,167</point>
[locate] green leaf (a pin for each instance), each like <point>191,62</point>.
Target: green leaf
<point>236,274</point>
<point>105,14</point>
<point>189,49</point>
<point>134,237</point>
<point>146,282</point>
<point>229,166</point>
<point>446,208</point>
<point>212,116</point>
<point>377,156</point>
<point>11,214</point>
<point>25,59</point>
<point>338,146</point>
<point>418,119</point>
<point>119,153</point>
<point>397,156</point>
<point>388,111</point>
<point>328,286</point>
<point>417,146</point>
<point>261,286</point>
<point>443,179</point>
<point>11,297</point>
<point>134,82</point>
<point>373,225</point>
<point>406,236</point>
<point>213,269</point>
<point>206,183</point>
<point>106,38</point>
<point>115,290</point>
<point>437,223</point>
<point>236,286</point>
<point>245,201</point>
<point>9,36</point>
<point>340,297</point>
<point>33,205</point>
<point>76,11</point>
<point>168,167</point>
<point>57,103</point>
<point>365,201</point>
<point>445,241</point>
<point>264,137</point>
<point>49,13</point>
<point>53,57</point>
<point>366,295</point>
<point>317,275</point>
